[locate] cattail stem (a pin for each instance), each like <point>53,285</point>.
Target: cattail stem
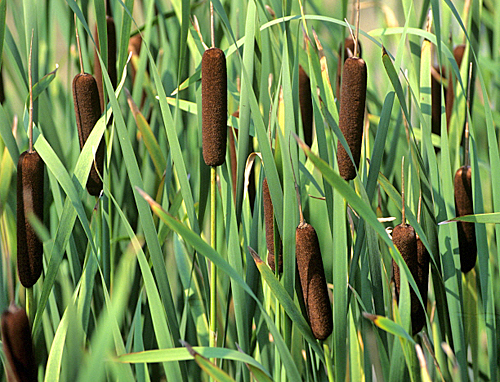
<point>30,304</point>
<point>403,212</point>
<point>328,361</point>
<point>213,271</point>
<point>212,25</point>
<point>30,125</point>
<point>79,47</point>
<point>357,31</point>
<point>467,111</point>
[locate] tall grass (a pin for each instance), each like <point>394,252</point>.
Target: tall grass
<point>125,290</point>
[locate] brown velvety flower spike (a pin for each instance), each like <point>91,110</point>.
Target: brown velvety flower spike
<point>269,222</point>
<point>30,169</point>
<point>405,240</point>
<point>18,346</point>
<point>422,280</point>
<point>351,115</point>
<point>214,106</point>
<point>313,281</point>
<point>464,206</point>
<point>87,113</point>
<point>306,107</point>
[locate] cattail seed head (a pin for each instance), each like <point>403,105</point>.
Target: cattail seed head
<point>405,240</point>
<point>313,281</point>
<point>351,115</point>
<point>464,206</point>
<point>269,222</point>
<point>111,66</point>
<point>214,106</point>
<point>306,107</point>
<point>18,346</point>
<point>87,113</point>
<point>30,169</point>
<point>418,317</point>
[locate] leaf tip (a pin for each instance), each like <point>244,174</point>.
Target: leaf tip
<point>255,256</point>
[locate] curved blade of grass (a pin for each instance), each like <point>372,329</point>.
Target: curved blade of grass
<point>7,137</point>
<point>207,366</point>
<point>41,85</point>
<point>148,137</point>
<point>53,369</point>
<point>389,326</point>
<point>182,354</point>
<point>486,218</point>
<point>206,250</point>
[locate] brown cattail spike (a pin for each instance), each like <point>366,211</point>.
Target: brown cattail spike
<point>405,240</point>
<point>87,113</point>
<point>269,222</point>
<point>313,281</point>
<point>111,32</point>
<point>351,115</point>
<point>214,106</point>
<point>30,169</point>
<point>306,107</point>
<point>18,346</point>
<point>418,317</point>
<point>466,231</point>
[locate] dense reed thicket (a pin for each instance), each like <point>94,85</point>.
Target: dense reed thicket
<point>169,175</point>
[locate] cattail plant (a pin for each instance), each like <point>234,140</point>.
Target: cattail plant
<point>312,275</point>
<point>463,201</point>
<point>30,173</point>
<point>405,240</point>
<point>18,346</point>
<point>214,136</point>
<point>269,223</point>
<point>214,106</point>
<point>87,112</point>
<point>313,281</point>
<point>306,107</point>
<point>111,64</point>
<point>352,110</point>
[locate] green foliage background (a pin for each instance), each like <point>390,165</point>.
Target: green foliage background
<point>125,290</point>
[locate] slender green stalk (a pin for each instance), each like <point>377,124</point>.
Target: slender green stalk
<point>328,361</point>
<point>213,271</point>
<point>30,304</point>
